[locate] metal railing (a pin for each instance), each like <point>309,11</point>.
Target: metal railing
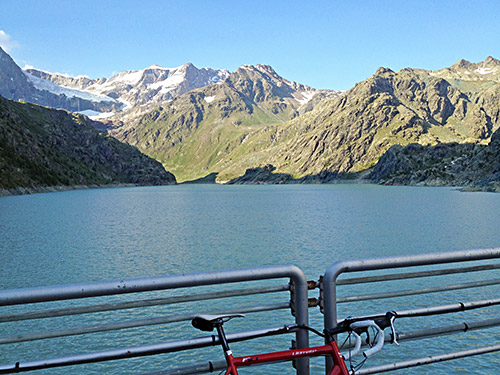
<point>241,284</point>
<point>299,304</point>
<point>329,300</point>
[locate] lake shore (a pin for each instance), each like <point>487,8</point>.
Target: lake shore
<point>55,189</point>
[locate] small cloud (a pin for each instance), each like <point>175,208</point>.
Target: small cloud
<point>6,42</point>
<point>27,66</point>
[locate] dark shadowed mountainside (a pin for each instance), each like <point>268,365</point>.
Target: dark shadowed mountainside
<point>41,147</point>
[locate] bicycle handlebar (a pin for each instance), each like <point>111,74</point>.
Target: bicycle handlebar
<point>357,325</point>
<point>356,349</point>
<point>380,338</point>
<point>382,321</point>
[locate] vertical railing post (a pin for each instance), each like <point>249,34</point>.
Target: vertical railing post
<point>301,315</point>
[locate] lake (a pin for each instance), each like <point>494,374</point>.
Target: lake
<point>108,234</point>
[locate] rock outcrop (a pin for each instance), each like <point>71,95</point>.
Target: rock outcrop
<point>473,166</point>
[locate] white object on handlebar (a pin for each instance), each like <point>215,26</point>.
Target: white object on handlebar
<point>380,336</point>
<point>356,349</point>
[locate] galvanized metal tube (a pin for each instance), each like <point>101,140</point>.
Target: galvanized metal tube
<point>141,303</point>
<point>446,330</point>
<point>414,275</point>
<point>105,288</point>
<point>434,310</point>
<point>201,368</point>
<point>138,351</point>
<point>33,336</point>
<point>332,273</point>
<point>444,309</point>
<point>428,360</point>
<point>412,292</point>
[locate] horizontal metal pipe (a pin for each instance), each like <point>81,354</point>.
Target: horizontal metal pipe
<point>141,303</point>
<point>444,309</point>
<point>105,288</point>
<point>411,292</point>
<point>140,351</point>
<point>32,336</point>
<point>446,330</point>
<point>434,310</point>
<point>414,275</point>
<point>201,368</point>
<point>427,360</point>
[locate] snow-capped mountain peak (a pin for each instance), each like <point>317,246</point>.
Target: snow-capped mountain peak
<point>129,88</point>
<point>156,83</point>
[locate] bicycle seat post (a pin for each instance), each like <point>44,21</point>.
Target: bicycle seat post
<point>222,336</point>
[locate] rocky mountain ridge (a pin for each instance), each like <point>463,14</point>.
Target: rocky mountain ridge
<point>195,133</point>
<point>340,136</point>
<point>133,88</point>
<point>487,70</point>
<point>42,148</point>
<point>16,84</point>
<point>474,166</point>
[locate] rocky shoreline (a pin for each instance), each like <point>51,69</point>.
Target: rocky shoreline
<point>55,189</point>
<point>491,188</point>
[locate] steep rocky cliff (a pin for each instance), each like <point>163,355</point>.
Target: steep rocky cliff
<point>42,147</point>
<point>469,165</point>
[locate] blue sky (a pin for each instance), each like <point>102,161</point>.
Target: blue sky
<point>325,44</point>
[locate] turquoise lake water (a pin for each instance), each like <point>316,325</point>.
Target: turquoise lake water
<point>110,234</point>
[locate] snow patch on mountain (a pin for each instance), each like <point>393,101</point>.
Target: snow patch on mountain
<point>42,84</point>
<point>304,96</point>
<point>174,79</point>
<point>126,104</point>
<point>485,70</point>
<point>95,115</point>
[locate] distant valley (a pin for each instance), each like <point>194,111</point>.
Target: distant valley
<point>254,126</point>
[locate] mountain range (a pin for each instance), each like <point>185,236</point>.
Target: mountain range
<point>253,121</point>
<point>17,84</point>
<point>207,130</point>
<point>254,126</point>
<point>135,88</point>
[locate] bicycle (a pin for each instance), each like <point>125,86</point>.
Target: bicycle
<point>354,326</point>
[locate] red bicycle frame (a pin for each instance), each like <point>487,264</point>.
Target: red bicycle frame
<point>209,322</point>
<point>339,367</point>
